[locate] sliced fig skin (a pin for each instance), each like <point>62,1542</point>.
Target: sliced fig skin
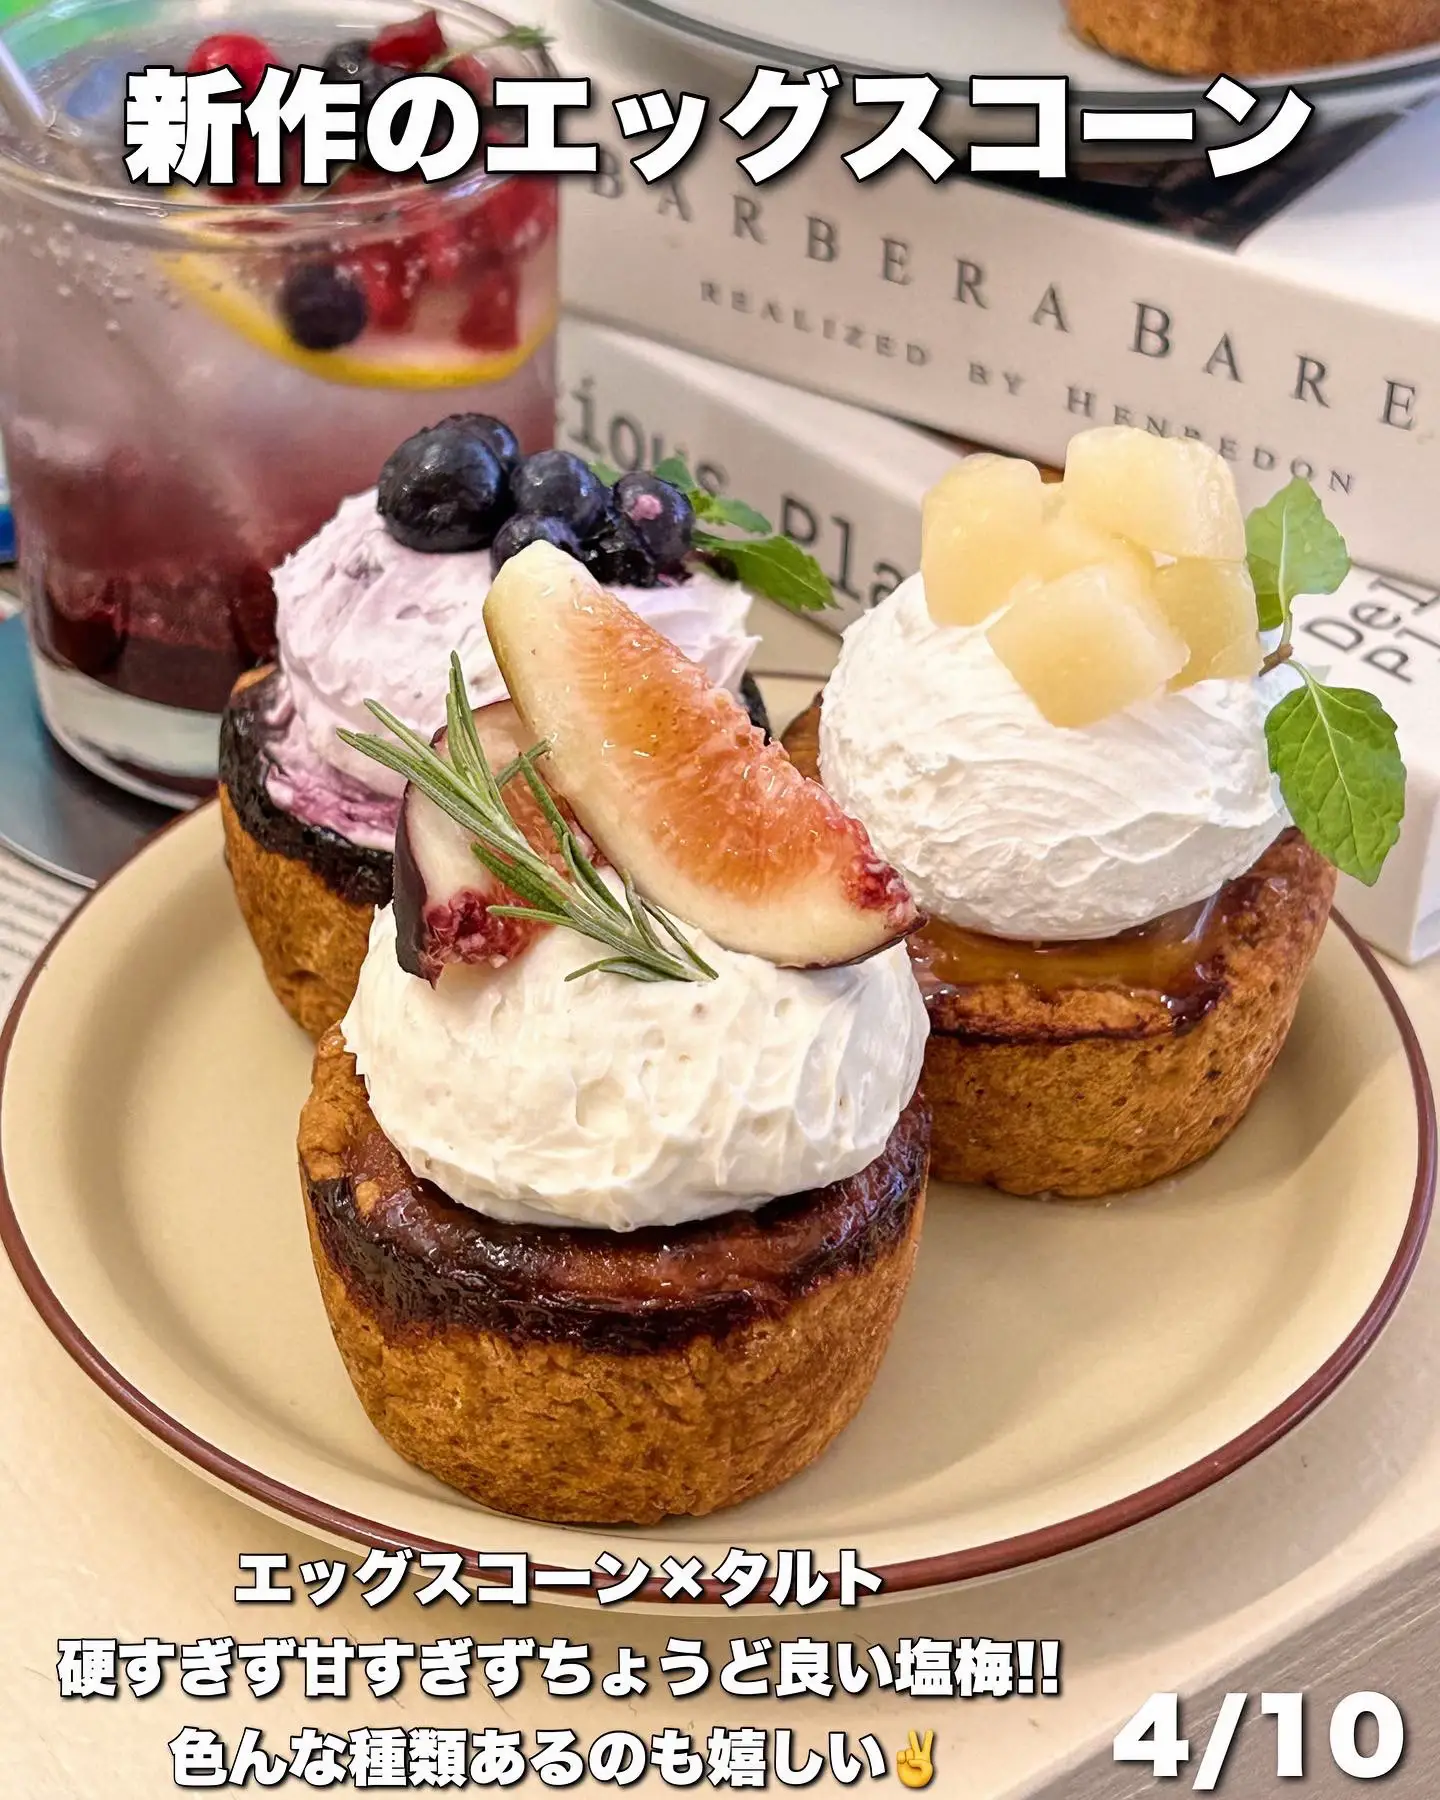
<point>713,824</point>
<point>920,921</point>
<point>442,892</point>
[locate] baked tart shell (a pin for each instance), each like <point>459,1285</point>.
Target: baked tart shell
<point>307,895</point>
<point>1224,37</point>
<point>1098,1088</point>
<point>590,1376</point>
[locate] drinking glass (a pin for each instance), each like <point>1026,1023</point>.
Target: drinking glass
<point>169,437</point>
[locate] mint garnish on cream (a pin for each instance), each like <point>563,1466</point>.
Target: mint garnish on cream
<point>763,560</point>
<point>1334,749</point>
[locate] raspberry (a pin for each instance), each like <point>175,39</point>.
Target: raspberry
<point>410,44</point>
<point>445,252</point>
<point>492,319</point>
<point>246,57</point>
<point>514,218</point>
<point>385,276</point>
<point>470,72</point>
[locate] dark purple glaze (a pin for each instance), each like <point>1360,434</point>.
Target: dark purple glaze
<point>254,722</point>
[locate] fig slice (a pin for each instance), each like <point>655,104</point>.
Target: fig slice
<point>443,892</point>
<point>674,783</point>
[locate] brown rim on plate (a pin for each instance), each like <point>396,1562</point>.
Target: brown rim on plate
<point>996,1557</point>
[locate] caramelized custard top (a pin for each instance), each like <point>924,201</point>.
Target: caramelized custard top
<point>1177,958</point>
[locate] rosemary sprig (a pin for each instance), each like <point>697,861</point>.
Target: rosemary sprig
<point>578,900</point>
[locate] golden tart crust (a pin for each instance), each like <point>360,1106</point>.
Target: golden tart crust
<point>307,895</point>
<point>1263,37</point>
<point>1081,1087</point>
<point>596,1376</point>
<point>311,941</point>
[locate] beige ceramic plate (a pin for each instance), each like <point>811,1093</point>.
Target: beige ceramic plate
<point>1060,1371</point>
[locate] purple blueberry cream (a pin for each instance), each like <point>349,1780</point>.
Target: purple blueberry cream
<point>373,605</point>
<point>372,609</point>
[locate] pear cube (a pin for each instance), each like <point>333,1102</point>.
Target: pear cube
<point>1069,541</point>
<point>1212,606</point>
<point>978,533</point>
<point>1088,644</point>
<point>1173,495</point>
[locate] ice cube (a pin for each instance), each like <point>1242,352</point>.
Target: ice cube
<point>1212,606</point>
<point>978,536</point>
<point>99,94</point>
<point>1088,644</point>
<point>1173,495</point>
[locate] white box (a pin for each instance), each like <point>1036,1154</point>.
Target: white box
<point>1313,348</point>
<point>1383,634</point>
<point>844,482</point>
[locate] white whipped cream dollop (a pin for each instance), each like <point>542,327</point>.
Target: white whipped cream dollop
<point>1004,823</point>
<point>361,617</point>
<point>613,1103</point>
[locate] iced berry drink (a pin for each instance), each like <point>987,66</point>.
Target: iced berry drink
<point>188,388</point>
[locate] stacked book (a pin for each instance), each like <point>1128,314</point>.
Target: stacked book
<point>831,339</point>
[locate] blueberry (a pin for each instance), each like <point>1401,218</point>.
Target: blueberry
<point>558,484</point>
<point>352,61</point>
<point>616,554</point>
<point>495,434</point>
<point>660,513</point>
<point>344,61</point>
<point>521,529</point>
<point>321,307</point>
<point>442,490</point>
<point>754,703</point>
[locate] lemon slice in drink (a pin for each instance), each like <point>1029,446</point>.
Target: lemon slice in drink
<point>376,359</point>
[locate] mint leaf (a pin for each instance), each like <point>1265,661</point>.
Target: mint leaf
<point>1340,771</point>
<point>607,472</point>
<point>1292,548</point>
<point>676,471</point>
<point>724,511</point>
<point>522,37</point>
<point>773,566</point>
<point>718,508</point>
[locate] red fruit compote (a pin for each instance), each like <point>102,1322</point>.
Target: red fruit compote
<point>192,379</point>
